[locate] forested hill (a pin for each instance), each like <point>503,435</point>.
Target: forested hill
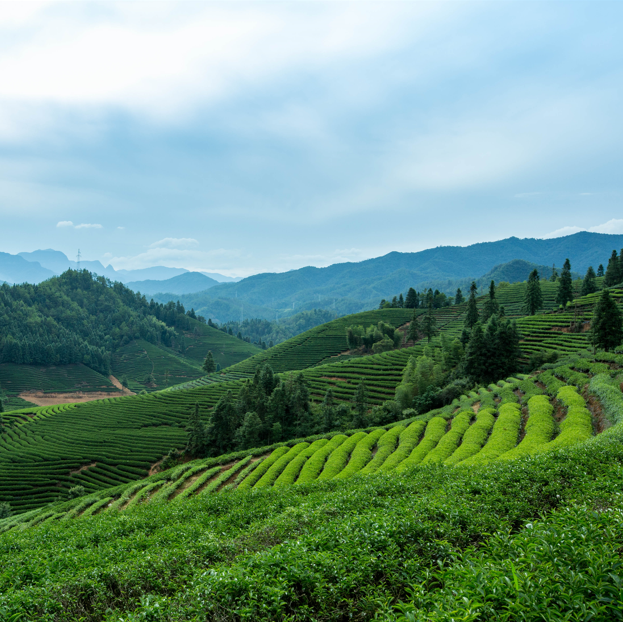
<point>352,287</point>
<point>81,318</point>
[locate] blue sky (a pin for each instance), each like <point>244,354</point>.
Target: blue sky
<point>244,137</point>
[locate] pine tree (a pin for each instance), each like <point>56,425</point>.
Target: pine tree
<point>411,301</point>
<point>475,361</point>
<point>414,328</point>
<point>196,443</point>
<point>209,365</point>
<point>607,323</point>
<point>533,300</point>
<point>328,411</point>
<point>600,270</point>
<point>429,324</point>
<point>492,306</point>
<point>589,285</point>
<point>248,434</point>
<point>223,424</point>
<point>472,316</point>
<point>401,301</point>
<point>554,276</point>
<point>612,271</point>
<point>459,298</point>
<point>565,285</point>
<point>360,405</point>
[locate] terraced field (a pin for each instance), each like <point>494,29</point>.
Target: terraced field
<point>15,379</point>
<point>517,417</point>
<point>137,360</point>
<point>512,297</point>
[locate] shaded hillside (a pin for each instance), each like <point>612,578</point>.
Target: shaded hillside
<point>383,277</point>
<point>187,283</point>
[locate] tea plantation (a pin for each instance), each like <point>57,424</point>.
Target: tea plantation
<point>503,505</point>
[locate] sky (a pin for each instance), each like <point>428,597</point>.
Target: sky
<point>246,137</point>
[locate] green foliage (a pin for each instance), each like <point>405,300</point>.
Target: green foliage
<point>491,306</point>
<point>565,285</point>
<point>607,323</point>
<point>263,467</point>
<point>408,439</point>
<point>613,274</point>
<point>540,428</point>
<point>609,395</point>
<point>589,284</point>
<point>451,439</point>
<point>419,376</point>
<point>503,436</point>
<point>5,510</point>
<point>474,438</point>
<point>435,429</point>
<point>472,316</point>
<point>533,300</point>
<point>209,364</point>
<point>362,454</point>
<point>577,425</point>
<point>340,456</point>
<point>76,491</point>
<point>315,464</point>
<point>379,338</point>
<point>385,447</point>
<point>293,469</point>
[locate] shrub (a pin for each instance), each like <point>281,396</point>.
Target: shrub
<point>340,456</point>
<point>361,454</point>
<point>257,473</point>
<point>435,430</point>
<point>385,447</point>
<point>76,491</point>
<point>291,472</point>
<point>451,439</point>
<point>314,465</point>
<point>540,428</point>
<point>268,479</point>
<point>577,426</point>
<point>409,438</point>
<point>475,437</point>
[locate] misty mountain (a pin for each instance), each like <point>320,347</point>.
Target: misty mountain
<point>383,277</point>
<point>15,269</point>
<point>187,283</point>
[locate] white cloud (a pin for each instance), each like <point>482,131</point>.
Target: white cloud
<point>121,228</point>
<point>174,243</point>
<point>613,226</point>
<point>209,261</point>
<point>69,223</point>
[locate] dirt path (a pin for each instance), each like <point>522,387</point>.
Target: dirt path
<point>83,468</point>
<point>52,399</point>
<point>120,386</point>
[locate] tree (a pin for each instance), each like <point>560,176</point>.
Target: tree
<point>223,425</point>
<point>554,276</point>
<point>414,328</point>
<point>360,405</point>
<point>5,510</point>
<point>492,306</point>
<point>429,324</point>
<point>401,301</point>
<point>589,284</point>
<point>472,316</point>
<point>565,285</point>
<point>411,301</point>
<point>607,323</point>
<point>600,270</point>
<point>248,434</point>
<point>475,362</point>
<point>533,300</point>
<point>209,365</point>
<point>612,271</point>
<point>328,411</point>
<point>196,439</point>
<point>459,298</point>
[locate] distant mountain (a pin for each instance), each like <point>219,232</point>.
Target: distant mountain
<point>15,269</point>
<point>371,280</point>
<point>156,273</point>
<point>187,283</point>
<point>221,278</point>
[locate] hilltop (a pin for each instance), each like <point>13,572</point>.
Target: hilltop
<point>352,287</point>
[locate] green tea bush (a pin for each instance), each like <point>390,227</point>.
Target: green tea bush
<point>225,475</point>
<point>258,472</point>
<point>268,479</point>
<point>314,465</point>
<point>291,472</point>
<point>385,447</point>
<point>435,430</point>
<point>577,426</point>
<point>503,436</point>
<point>362,454</point>
<point>340,456</point>
<point>451,439</point>
<point>540,428</point>
<point>408,439</point>
<point>475,436</point>
<point>609,395</point>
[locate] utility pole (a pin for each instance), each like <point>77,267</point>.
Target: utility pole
<point>78,258</point>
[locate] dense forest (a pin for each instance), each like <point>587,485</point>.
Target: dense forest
<point>79,317</point>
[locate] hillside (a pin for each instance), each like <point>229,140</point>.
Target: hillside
<point>187,283</point>
<point>369,281</point>
<point>80,319</point>
<point>348,523</point>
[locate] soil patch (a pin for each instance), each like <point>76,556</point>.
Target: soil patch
<point>600,422</point>
<point>120,386</point>
<point>83,468</point>
<point>524,420</point>
<point>335,378</point>
<point>476,407</point>
<point>52,399</point>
